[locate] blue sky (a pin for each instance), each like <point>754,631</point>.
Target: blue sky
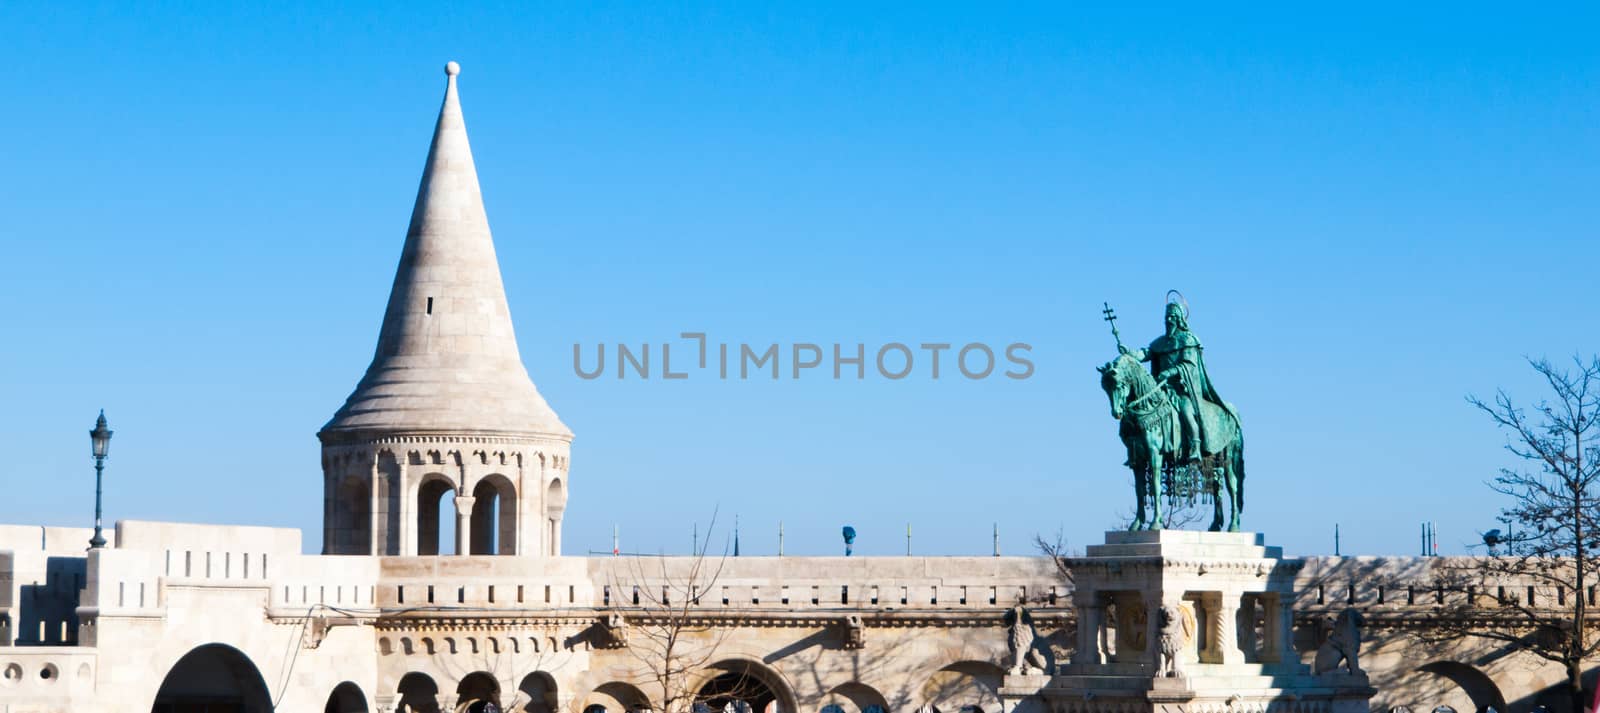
<point>1374,210</point>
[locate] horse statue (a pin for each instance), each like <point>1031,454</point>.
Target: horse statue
<point>1151,430</point>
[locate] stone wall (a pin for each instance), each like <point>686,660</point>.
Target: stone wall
<point>567,633</point>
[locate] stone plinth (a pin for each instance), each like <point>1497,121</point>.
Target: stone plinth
<point>1222,601</point>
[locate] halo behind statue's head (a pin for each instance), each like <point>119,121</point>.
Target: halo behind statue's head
<point>1180,301</point>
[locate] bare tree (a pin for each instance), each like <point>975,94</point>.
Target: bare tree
<point>1056,550</point>
<point>657,619</point>
<point>1533,591</point>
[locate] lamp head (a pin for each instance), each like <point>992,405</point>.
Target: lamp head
<point>100,437</point>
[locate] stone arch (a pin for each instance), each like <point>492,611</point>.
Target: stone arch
<point>555,503</point>
<point>964,686</point>
<point>389,491</point>
<point>214,674</point>
<point>418,693</point>
<point>494,516</point>
<point>746,681</point>
<point>537,693</point>
<point>615,697</point>
<point>856,697</point>
<point>476,691</point>
<point>346,698</point>
<point>352,516</point>
<point>431,493</point>
<point>1458,685</point>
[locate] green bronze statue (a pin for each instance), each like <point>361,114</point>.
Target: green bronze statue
<point>1173,422</point>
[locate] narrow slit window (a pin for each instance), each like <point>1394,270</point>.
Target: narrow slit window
<point>430,305</point>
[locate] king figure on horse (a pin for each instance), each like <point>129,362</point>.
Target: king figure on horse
<point>1173,421</point>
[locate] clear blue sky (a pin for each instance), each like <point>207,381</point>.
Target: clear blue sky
<point>1373,209</point>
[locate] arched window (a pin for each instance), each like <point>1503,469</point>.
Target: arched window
<point>418,693</point>
<point>555,503</point>
<point>494,516</point>
<point>352,533</point>
<point>476,692</point>
<point>346,698</point>
<point>436,517</point>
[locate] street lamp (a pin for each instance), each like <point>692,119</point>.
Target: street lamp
<point>100,438</point>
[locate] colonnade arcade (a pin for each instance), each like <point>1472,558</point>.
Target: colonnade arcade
<point>438,500</point>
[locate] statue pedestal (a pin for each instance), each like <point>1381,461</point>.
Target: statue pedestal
<point>1184,621</point>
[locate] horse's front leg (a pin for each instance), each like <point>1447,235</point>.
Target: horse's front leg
<point>1154,477</point>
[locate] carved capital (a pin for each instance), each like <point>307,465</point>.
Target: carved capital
<point>855,632</point>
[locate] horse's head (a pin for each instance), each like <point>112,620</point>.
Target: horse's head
<point>1111,379</point>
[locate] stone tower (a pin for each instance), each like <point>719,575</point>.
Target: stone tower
<point>446,415</point>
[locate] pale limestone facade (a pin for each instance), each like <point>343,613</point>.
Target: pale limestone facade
<point>180,617</point>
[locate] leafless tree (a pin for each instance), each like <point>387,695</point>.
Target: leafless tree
<point>1533,591</point>
<point>1056,549</point>
<point>672,641</point>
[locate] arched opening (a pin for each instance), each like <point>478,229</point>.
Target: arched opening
<point>476,692</point>
<point>855,697</point>
<point>390,494</point>
<point>346,698</point>
<point>746,686</point>
<point>1458,686</point>
<point>436,517</point>
<point>968,686</point>
<point>352,533</point>
<point>214,677</point>
<point>615,697</point>
<point>555,503</point>
<point>418,694</point>
<point>537,693</point>
<point>494,516</point>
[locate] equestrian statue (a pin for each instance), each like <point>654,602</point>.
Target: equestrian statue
<point>1183,440</point>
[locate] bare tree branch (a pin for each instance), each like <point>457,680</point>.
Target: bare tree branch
<point>1555,518</point>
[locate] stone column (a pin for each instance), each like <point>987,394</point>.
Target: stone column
<point>1225,622</point>
<point>330,523</point>
<point>1284,624</point>
<point>1152,629</point>
<point>377,511</point>
<point>464,524</point>
<point>408,508</point>
<point>1090,615</point>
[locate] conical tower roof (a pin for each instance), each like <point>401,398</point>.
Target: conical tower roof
<point>447,360</point>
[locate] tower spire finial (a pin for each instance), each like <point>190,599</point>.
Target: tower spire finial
<point>447,360</point>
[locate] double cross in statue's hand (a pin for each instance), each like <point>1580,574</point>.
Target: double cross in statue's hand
<point>1111,316</point>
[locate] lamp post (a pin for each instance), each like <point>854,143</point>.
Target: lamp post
<point>100,438</point>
